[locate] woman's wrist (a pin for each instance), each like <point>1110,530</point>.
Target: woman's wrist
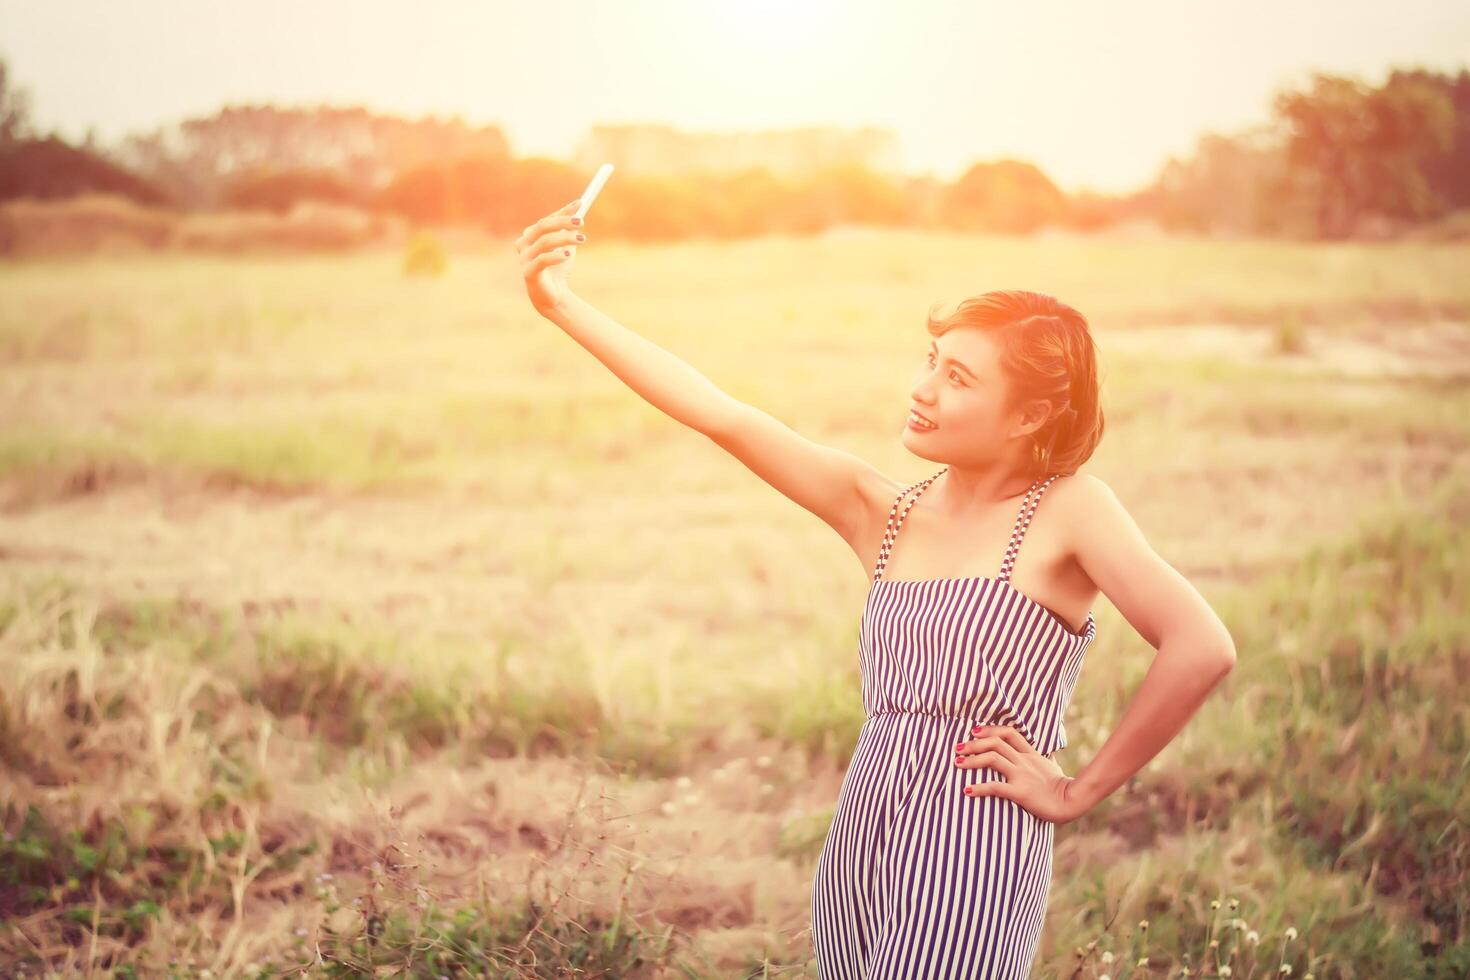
<point>1080,796</point>
<point>559,309</point>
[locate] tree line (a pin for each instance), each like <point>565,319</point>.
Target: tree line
<point>1335,158</point>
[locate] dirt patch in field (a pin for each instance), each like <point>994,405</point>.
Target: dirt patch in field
<point>1434,350</point>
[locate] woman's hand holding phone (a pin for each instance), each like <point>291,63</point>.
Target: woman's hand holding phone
<point>547,248</point>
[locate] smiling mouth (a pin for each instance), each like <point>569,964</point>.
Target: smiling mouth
<point>920,421</point>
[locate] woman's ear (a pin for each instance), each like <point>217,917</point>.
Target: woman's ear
<point>1034,414</point>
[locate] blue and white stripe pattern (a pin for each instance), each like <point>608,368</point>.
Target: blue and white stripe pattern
<point>915,879</point>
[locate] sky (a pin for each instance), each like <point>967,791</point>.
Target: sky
<point>1098,94</point>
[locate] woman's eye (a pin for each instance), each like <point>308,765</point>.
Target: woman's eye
<point>952,374</point>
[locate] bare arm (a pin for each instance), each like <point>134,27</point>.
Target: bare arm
<point>835,485</point>
<point>1195,650</point>
<point>664,380</point>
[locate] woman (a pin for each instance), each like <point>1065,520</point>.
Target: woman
<point>939,856</point>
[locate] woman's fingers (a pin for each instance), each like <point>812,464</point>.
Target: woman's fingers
<point>989,759</point>
<point>1006,733</point>
<point>552,244</point>
<point>560,218</point>
<point>541,261</point>
<point>987,743</point>
<point>556,239</point>
<point>1012,738</point>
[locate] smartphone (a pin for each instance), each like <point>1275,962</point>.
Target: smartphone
<point>590,194</point>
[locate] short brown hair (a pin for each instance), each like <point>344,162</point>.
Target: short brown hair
<point>1047,351</point>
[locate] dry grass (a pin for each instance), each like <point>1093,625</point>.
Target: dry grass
<point>314,569</point>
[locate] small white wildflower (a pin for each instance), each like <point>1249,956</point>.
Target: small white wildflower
<point>1104,976</point>
<point>1285,970</point>
<point>683,782</point>
<point>326,876</point>
<point>1225,970</point>
<point>1215,904</point>
<point>1291,933</point>
<point>763,761</point>
<point>690,799</point>
<point>1143,961</point>
<point>1253,937</point>
<point>1107,956</point>
<point>668,807</point>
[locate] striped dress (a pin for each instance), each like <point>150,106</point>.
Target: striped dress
<point>916,879</point>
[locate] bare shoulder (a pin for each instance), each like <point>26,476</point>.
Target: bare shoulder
<point>1088,508</point>
<point>1077,493</point>
<point>1113,552</point>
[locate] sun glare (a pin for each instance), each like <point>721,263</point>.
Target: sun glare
<point>773,24</point>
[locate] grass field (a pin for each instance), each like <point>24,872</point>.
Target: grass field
<point>354,622</point>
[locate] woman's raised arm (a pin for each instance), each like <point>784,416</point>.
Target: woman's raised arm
<point>837,486</point>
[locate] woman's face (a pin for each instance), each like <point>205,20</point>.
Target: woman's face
<point>961,389</point>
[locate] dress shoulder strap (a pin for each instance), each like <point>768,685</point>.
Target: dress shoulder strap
<point>1023,521</point>
<point>895,520</point>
